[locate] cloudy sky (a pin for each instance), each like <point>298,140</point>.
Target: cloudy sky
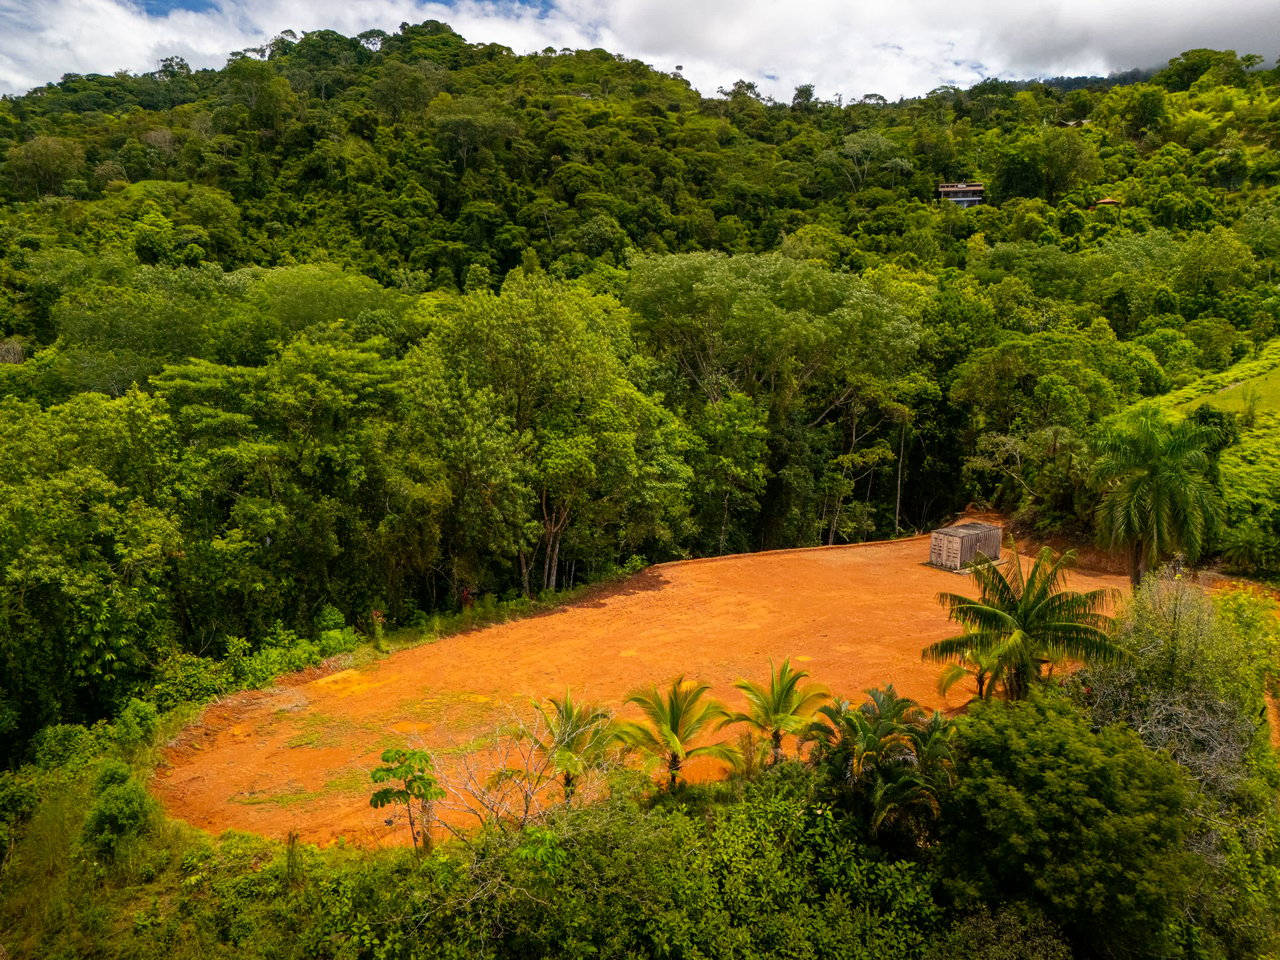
<point>851,47</point>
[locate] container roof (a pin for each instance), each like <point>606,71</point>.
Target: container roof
<point>970,528</point>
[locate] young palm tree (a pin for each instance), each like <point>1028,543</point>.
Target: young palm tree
<point>1022,622</point>
<point>911,793</point>
<point>971,663</point>
<point>783,707</point>
<point>1157,496</point>
<point>576,739</point>
<point>854,742</point>
<point>675,720</point>
<point>889,760</point>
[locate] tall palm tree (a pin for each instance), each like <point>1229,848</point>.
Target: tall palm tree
<point>783,707</point>
<point>675,720</point>
<point>1157,495</point>
<point>1022,622</point>
<point>575,738</point>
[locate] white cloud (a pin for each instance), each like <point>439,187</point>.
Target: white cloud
<point>850,47</point>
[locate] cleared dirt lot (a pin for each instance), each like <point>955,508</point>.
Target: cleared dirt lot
<point>296,758</point>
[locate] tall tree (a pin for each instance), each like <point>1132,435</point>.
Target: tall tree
<point>1157,496</point>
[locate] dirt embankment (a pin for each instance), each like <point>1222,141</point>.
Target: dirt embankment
<point>297,758</point>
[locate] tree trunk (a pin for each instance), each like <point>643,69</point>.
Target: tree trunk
<point>524,572</point>
<point>1137,565</point>
<point>897,503</point>
<point>555,563</point>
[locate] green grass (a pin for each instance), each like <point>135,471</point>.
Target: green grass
<point>319,731</point>
<point>1260,394</point>
<point>292,793</point>
<point>1255,380</point>
<point>1251,467</point>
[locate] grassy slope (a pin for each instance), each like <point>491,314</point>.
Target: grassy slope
<point>1251,468</point>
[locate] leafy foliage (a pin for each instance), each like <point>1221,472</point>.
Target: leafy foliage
<point>416,791</point>
<point>122,811</point>
<point>577,739</point>
<point>887,761</point>
<point>1086,826</point>
<point>782,708</point>
<point>407,324</point>
<point>1157,495</point>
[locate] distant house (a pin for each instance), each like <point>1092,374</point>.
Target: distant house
<point>1105,202</point>
<point>961,194</point>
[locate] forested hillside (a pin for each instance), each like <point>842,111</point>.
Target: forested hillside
<point>355,330</point>
<point>372,321</point>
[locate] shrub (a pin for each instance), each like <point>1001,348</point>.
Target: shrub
<point>186,678</point>
<point>122,811</point>
<point>333,642</point>
<point>112,773</point>
<point>19,797</point>
<point>329,618</point>
<point>1250,548</point>
<point>1086,827</point>
<point>135,726</point>
<point>1005,935</point>
<point>62,745</point>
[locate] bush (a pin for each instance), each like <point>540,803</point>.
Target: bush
<point>1086,827</point>
<point>112,773</point>
<point>62,745</point>
<point>19,797</point>
<point>1005,935</point>
<point>136,726</point>
<point>122,811</point>
<point>329,618</point>
<point>333,642</point>
<point>1250,548</point>
<point>186,678</point>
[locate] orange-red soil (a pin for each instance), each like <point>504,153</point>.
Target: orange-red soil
<point>297,757</point>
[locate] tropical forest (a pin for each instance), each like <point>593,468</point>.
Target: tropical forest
<point>508,478</point>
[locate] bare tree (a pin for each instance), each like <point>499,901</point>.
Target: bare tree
<point>509,779</point>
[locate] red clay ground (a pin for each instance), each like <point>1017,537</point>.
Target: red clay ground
<point>297,758</point>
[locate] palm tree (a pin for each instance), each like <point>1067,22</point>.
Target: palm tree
<point>1022,622</point>
<point>857,741</point>
<point>971,663</point>
<point>1157,495</point>
<point>577,738</point>
<point>889,760</point>
<point>783,707</point>
<point>675,720</point>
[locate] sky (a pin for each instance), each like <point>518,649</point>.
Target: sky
<point>894,48</point>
